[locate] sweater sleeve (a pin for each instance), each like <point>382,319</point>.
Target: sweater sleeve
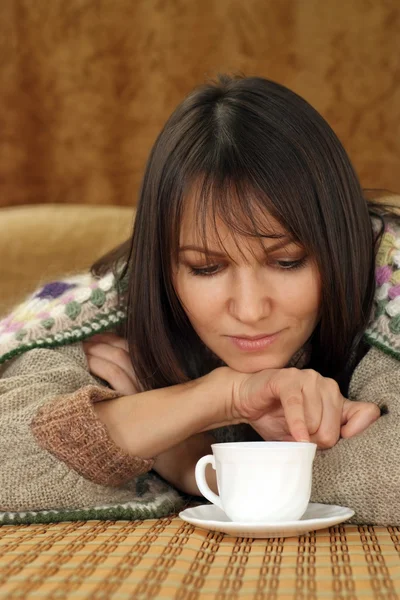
<point>55,452</point>
<point>363,472</point>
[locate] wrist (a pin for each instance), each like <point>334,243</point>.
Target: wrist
<point>222,385</point>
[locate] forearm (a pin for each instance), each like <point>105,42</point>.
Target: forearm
<point>150,423</point>
<point>177,465</point>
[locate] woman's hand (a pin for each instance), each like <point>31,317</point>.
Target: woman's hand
<point>298,405</point>
<point>108,358</point>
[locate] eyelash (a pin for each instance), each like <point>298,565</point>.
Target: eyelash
<point>294,265</point>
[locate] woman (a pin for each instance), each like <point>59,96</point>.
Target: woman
<point>242,304</point>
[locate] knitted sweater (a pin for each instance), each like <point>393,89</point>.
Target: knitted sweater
<point>59,462</point>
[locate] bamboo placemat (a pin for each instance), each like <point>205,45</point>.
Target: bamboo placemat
<point>169,559</point>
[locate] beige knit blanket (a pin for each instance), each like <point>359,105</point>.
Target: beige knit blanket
<point>361,472</point>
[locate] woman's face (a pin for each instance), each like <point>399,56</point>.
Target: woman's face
<point>238,295</point>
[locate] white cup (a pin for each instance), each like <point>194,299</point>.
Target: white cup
<point>260,482</point>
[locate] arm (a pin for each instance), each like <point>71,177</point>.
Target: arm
<point>182,412</point>
<point>177,464</point>
<point>148,423</point>
<point>56,452</point>
<point>362,472</point>
<point>108,358</point>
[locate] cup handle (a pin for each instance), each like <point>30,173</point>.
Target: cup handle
<point>200,475</point>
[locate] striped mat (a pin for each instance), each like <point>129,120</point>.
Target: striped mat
<point>169,559</point>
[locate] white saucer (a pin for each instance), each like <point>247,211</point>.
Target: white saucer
<point>317,516</point>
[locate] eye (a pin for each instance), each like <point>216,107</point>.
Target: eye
<point>283,265</point>
<point>205,271</point>
<point>291,265</point>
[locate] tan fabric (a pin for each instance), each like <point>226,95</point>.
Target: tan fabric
<point>85,86</point>
<point>34,478</point>
<point>363,472</point>
<point>69,428</point>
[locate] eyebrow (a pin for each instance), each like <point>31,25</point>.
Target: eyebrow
<point>284,241</point>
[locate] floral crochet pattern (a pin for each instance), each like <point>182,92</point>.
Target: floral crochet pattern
<point>62,312</point>
<point>384,328</point>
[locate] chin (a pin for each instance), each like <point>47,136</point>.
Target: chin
<point>254,364</point>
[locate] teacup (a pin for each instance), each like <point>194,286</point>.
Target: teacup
<point>260,481</point>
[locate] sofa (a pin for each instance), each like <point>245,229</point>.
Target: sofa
<point>41,242</point>
<point>164,558</point>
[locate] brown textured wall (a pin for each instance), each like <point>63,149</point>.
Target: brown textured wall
<point>85,85</point>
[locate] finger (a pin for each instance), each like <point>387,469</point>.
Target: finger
<point>357,417</point>
<point>293,406</point>
<point>111,373</point>
<point>288,438</point>
<point>313,406</point>
<point>112,354</point>
<point>328,432</point>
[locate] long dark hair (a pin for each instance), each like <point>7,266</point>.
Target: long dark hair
<point>255,147</point>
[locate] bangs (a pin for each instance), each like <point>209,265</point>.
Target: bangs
<point>246,163</point>
<point>246,209</point>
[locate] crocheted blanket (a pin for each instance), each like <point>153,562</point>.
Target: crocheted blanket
<point>384,327</point>
<point>62,312</point>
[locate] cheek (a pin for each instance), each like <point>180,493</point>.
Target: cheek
<point>200,298</point>
<point>302,299</point>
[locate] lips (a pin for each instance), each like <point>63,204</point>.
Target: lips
<point>254,343</point>
<point>254,337</point>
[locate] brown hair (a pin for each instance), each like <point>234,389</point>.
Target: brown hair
<point>255,146</point>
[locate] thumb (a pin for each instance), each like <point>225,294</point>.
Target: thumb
<point>357,417</point>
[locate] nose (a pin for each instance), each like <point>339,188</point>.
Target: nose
<point>250,301</point>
